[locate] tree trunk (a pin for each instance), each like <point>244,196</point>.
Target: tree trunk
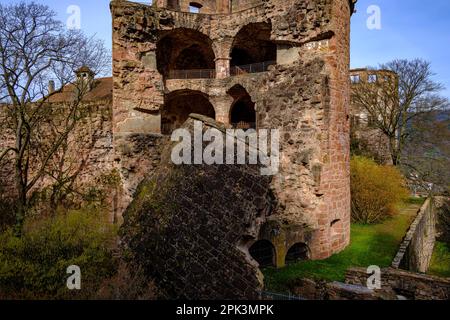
<point>393,149</point>
<point>21,186</point>
<point>21,207</point>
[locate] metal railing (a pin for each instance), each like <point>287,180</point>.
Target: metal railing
<point>211,73</point>
<point>244,125</point>
<point>264,295</point>
<point>251,68</point>
<point>192,74</point>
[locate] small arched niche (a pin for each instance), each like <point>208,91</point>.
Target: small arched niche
<point>336,226</point>
<point>336,231</point>
<point>195,7</point>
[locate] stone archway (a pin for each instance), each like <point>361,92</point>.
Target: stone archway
<point>185,49</point>
<point>252,45</point>
<point>179,104</point>
<point>297,252</point>
<point>263,252</point>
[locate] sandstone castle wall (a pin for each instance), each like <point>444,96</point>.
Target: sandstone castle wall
<point>305,95</point>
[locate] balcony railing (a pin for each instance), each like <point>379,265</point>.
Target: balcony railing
<point>192,74</point>
<point>211,73</point>
<point>244,125</point>
<point>251,68</point>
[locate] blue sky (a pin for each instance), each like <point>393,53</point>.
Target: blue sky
<point>409,29</point>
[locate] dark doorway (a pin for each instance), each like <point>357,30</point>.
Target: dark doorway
<point>242,112</point>
<point>263,252</point>
<point>297,252</point>
<point>179,104</point>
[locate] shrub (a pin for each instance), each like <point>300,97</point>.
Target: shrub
<point>34,265</point>
<point>129,283</point>
<point>7,216</point>
<point>376,190</point>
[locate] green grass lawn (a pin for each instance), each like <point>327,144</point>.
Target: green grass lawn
<point>440,262</point>
<point>370,245</point>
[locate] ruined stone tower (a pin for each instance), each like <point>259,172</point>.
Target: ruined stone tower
<point>248,64</point>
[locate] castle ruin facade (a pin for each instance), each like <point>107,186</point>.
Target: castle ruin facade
<point>261,64</point>
<point>247,64</point>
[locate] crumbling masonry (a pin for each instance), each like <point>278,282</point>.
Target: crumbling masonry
<point>246,64</point>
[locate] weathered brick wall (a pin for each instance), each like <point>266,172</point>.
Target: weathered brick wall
<point>417,247</point>
<point>411,285</point>
<point>189,226</point>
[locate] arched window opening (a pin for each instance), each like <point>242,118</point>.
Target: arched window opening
<point>242,112</point>
<point>191,58</point>
<point>194,7</point>
<point>179,104</point>
<point>252,50</point>
<point>185,54</point>
<point>297,252</point>
<point>263,252</point>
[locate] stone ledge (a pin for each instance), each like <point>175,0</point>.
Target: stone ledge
<point>415,286</point>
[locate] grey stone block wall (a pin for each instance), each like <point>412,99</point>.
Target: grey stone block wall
<point>417,247</point>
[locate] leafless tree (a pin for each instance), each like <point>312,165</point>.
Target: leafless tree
<point>393,101</point>
<point>34,48</point>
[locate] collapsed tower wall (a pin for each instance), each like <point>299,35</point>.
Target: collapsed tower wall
<point>168,63</point>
